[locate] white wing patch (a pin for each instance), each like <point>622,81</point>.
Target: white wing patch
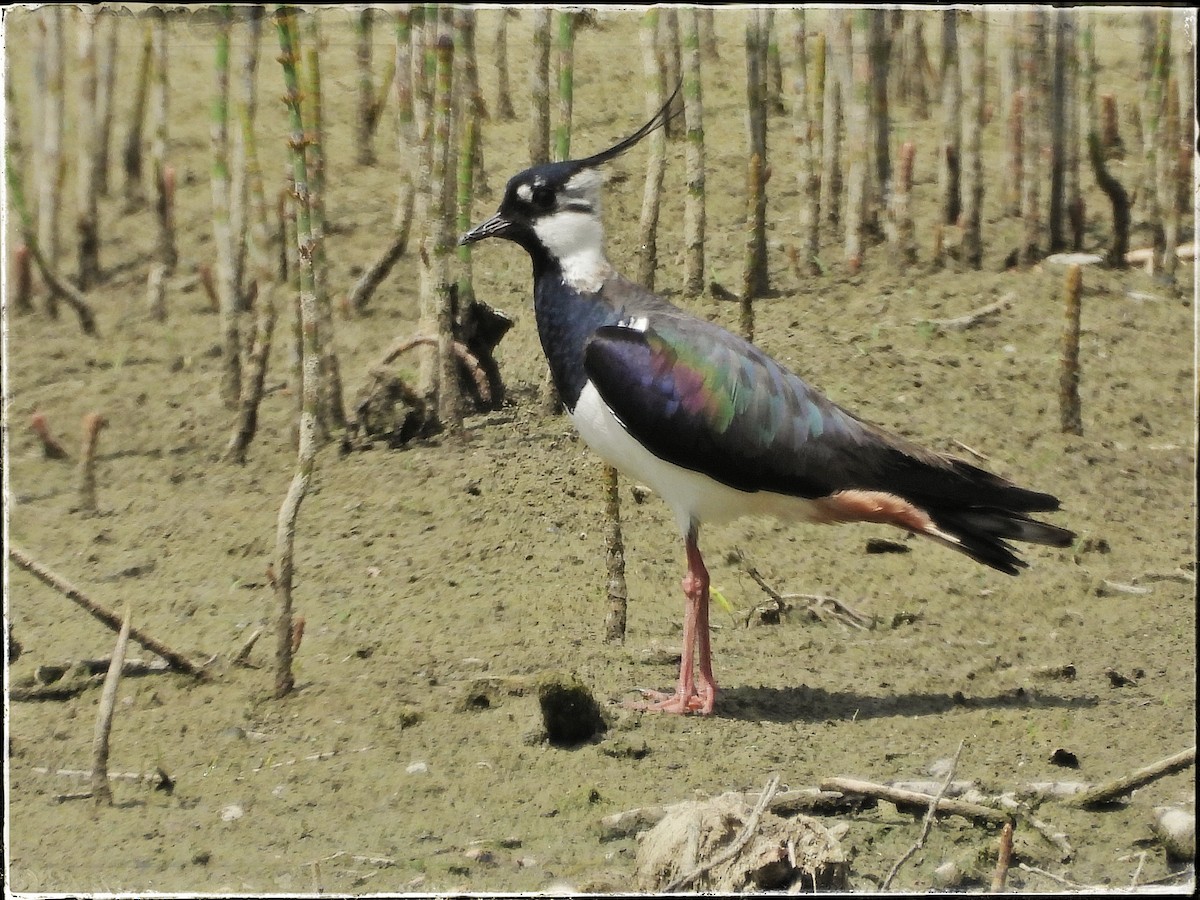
<point>637,323</point>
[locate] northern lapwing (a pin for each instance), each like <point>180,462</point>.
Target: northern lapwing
<point>715,426</point>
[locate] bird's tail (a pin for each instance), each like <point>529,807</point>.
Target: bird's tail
<point>983,533</point>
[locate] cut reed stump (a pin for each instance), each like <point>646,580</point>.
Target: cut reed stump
<point>51,448</point>
<point>92,424</point>
<point>1068,376</point>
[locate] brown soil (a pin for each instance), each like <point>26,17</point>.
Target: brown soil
<point>438,582</point>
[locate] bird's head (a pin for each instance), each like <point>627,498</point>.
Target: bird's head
<point>554,208</point>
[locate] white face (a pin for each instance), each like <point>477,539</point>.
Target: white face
<point>573,232</point>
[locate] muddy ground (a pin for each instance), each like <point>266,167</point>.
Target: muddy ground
<point>439,582</point>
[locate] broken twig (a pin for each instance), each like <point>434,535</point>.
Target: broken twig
<point>1113,790</point>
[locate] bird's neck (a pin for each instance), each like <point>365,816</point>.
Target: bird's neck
<point>566,316</point>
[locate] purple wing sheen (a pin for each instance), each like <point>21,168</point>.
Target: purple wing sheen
<point>704,399</point>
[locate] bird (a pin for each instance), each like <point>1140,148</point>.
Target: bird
<point>716,427</point>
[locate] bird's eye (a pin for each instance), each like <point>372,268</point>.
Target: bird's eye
<point>542,197</point>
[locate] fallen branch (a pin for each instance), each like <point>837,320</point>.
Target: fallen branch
<point>104,715</point>
<point>739,842</point>
<point>48,673</point>
<point>971,319</point>
<point>158,779</point>
<point>910,799</point>
<point>178,661</point>
<point>975,453</point>
<point>927,824</point>
<point>1112,790</point>
<point>816,602</point>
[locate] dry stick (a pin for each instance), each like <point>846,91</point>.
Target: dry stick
<point>671,66</point>
<point>539,89</point>
<point>243,654</point>
<point>973,811</point>
<point>614,554</point>
<point>1076,208</point>
<point>1003,858</point>
<point>1169,187</point>
<point>949,192</point>
<point>1119,787</point>
<point>927,823</point>
<point>971,319</point>
<point>504,104</point>
<point>739,842</point>
<point>331,408</point>
<point>285,536</point>
<point>48,673</point>
<point>108,700</point>
<point>806,125</point>
<point>48,159</point>
<point>656,160</point>
<point>755,279</point>
<point>693,115</point>
<point>92,423</point>
<point>1158,194</point>
<point>164,181</point>
<point>242,147</point>
<point>364,131</point>
<point>87,222</point>
<point>974,63</point>
<point>1070,416</point>
<point>131,155</point>
<point>842,612</point>
<point>51,448</point>
<point>178,661</point>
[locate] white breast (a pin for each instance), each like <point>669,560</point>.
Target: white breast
<point>694,498</point>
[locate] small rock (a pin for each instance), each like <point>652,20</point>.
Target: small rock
<point>947,875</point>
<point>417,768</point>
<point>481,855</point>
<point>1176,830</point>
<point>232,813</point>
<point>201,857</point>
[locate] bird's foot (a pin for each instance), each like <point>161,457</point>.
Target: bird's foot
<point>676,702</point>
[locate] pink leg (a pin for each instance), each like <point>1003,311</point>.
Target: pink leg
<point>688,697</point>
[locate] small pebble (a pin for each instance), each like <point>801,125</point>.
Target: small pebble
<point>232,813</point>
<point>1176,831</point>
<point>417,768</point>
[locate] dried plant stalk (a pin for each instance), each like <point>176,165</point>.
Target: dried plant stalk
<point>156,292</point>
<point>566,83</point>
<point>1068,376</point>
<point>405,130</point>
<point>286,530</point>
<point>539,89</point>
<point>131,155</point>
<point>755,281</point>
<point>364,130</point>
<point>1058,130</point>
<point>1033,52</point>
<point>657,157</point>
<point>164,180</point>
<point>504,104</point>
<point>106,71</point>
<point>331,410</point>
<point>23,280</point>
<point>1116,193</point>
<point>693,113</point>
<point>231,348</point>
<point>879,47</point>
<point>831,120</point>
<point>973,26</point>
<point>807,173</point>
<point>614,553</point>
<point>1009,80</point>
<point>101,791</point>
<point>902,231</point>
<point>949,188</point>
<point>87,222</point>
<point>51,448</point>
<point>439,242</point>
<point>854,40</point>
<point>48,160</point>
<point>671,65</point>
<point>92,424</point>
